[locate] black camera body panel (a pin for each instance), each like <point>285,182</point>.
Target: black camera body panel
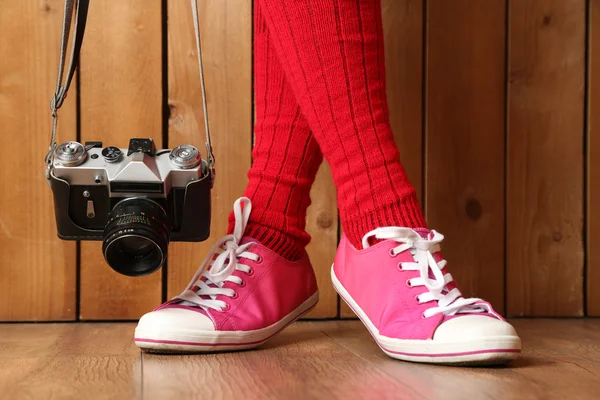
<point>188,209</point>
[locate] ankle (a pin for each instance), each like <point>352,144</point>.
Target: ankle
<point>405,213</point>
<point>279,242</point>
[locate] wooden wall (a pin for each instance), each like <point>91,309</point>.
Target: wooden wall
<point>493,103</point>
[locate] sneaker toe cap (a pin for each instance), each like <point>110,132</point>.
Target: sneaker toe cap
<point>175,318</point>
<point>473,327</point>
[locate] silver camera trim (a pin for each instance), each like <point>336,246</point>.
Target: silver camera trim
<point>136,168</point>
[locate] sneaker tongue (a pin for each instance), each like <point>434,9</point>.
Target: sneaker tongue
<point>247,239</point>
<point>423,232</point>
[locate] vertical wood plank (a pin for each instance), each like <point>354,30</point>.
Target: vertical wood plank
<point>322,225</point>
<point>227,50</point>
<point>403,42</point>
<point>593,159</point>
<point>37,269</point>
<point>403,39</point>
<point>465,140</point>
<point>121,97</point>
<point>545,157</point>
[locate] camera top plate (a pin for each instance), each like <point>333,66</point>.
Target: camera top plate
<point>137,167</point>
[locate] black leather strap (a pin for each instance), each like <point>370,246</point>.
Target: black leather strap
<point>80,9</point>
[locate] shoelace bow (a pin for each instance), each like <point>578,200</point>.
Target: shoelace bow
<point>208,281</point>
<point>449,302</point>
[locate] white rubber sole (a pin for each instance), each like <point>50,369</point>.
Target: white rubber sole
<point>172,340</point>
<point>486,351</point>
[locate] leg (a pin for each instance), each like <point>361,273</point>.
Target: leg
<point>286,156</point>
<point>332,53</point>
<point>388,267</point>
<point>258,278</point>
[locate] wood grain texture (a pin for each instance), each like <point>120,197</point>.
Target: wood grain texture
<point>37,269</point>
<point>403,44</point>
<point>69,361</point>
<point>593,163</point>
<point>545,157</point>
<point>465,140</point>
<point>227,51</point>
<point>309,360</point>
<point>121,97</point>
<point>301,363</point>
<point>559,361</point>
<point>322,225</point>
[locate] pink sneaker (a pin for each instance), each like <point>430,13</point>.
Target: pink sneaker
<point>411,305</point>
<point>246,296</point>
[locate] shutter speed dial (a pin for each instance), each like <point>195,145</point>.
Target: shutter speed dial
<point>185,156</point>
<point>70,154</point>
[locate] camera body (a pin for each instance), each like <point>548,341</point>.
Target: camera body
<point>137,193</point>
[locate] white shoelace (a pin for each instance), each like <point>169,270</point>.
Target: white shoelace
<point>449,302</point>
<point>229,254</point>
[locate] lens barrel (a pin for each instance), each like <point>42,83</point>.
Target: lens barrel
<point>136,237</point>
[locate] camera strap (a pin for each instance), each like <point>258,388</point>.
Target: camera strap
<point>60,94</point>
<point>80,9</point>
<point>209,151</point>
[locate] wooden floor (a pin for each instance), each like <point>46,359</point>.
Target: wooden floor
<point>310,360</point>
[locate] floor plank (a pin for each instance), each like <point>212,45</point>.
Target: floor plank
<point>310,360</point>
<point>561,359</point>
<point>299,364</point>
<point>69,361</point>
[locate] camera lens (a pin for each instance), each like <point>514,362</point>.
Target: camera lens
<point>136,246</point>
<point>136,237</point>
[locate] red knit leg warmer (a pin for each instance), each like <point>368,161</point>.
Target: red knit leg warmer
<point>286,156</point>
<point>332,55</point>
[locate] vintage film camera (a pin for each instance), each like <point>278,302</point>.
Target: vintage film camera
<point>135,200</point>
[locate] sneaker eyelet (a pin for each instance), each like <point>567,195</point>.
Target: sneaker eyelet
<point>259,261</point>
<point>227,307</point>
<point>235,296</point>
<point>392,254</point>
<point>418,299</point>
<point>408,283</point>
<point>242,284</point>
<point>251,272</point>
<point>400,268</point>
<point>423,316</point>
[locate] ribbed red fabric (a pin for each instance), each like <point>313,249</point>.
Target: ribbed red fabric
<point>332,54</point>
<point>286,156</point>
